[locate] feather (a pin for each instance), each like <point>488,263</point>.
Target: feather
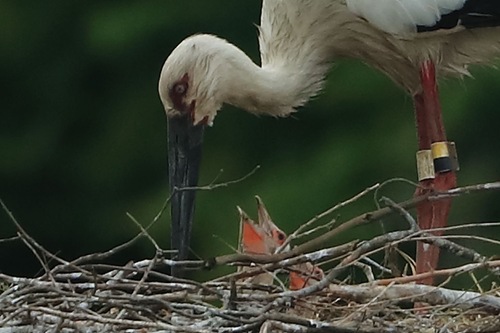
<point>403,16</point>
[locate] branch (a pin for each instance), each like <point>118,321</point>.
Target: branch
<point>213,185</point>
<point>416,293</point>
<point>427,237</point>
<point>326,213</point>
<point>442,272</point>
<point>270,265</point>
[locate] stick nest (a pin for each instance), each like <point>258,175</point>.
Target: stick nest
<point>88,295</point>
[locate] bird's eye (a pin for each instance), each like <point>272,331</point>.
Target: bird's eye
<point>281,236</point>
<point>180,88</point>
<point>318,273</point>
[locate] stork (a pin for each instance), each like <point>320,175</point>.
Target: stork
<point>263,237</point>
<point>411,41</point>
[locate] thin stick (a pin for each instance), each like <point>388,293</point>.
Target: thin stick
<point>442,272</point>
<point>213,186</point>
<point>325,213</point>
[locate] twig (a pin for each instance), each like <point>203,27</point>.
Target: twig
<point>441,242</point>
<point>390,181</point>
<point>326,226</point>
<point>404,213</point>
<point>207,187</point>
<point>376,242</point>
<point>375,264</point>
<point>325,213</point>
<point>289,323</point>
<point>442,272</point>
<point>372,301</point>
<point>31,243</point>
<point>111,321</point>
<point>494,186</point>
<point>10,239</point>
<point>416,293</point>
<point>145,233</point>
<point>312,257</point>
<point>100,296</point>
<point>213,186</point>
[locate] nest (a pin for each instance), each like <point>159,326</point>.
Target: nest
<point>88,295</point>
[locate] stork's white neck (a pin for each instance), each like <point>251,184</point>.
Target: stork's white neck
<point>270,91</point>
<point>219,73</point>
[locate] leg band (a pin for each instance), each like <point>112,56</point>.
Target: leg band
<point>441,158</point>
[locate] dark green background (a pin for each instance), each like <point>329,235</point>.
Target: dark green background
<point>82,133</point>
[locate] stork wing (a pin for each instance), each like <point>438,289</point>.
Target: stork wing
<point>403,16</point>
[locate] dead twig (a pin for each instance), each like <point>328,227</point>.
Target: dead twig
<point>329,211</point>
<point>442,272</point>
<point>90,294</point>
<point>213,185</point>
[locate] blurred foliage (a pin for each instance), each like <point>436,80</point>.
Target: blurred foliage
<point>82,133</point>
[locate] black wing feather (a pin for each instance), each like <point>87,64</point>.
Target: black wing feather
<point>474,14</point>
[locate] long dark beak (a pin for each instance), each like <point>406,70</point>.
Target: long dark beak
<point>184,156</point>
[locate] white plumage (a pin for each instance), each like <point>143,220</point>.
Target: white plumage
<point>403,16</point>
<point>300,38</point>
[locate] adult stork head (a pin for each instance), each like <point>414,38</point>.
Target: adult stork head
<point>197,78</point>
<point>189,88</point>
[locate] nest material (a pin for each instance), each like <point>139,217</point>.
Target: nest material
<point>86,295</point>
<point>121,300</point>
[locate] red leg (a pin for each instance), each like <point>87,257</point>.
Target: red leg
<point>430,129</point>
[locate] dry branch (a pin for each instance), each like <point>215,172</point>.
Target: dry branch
<point>88,294</point>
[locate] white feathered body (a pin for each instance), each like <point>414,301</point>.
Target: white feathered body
<point>381,33</point>
<point>299,39</point>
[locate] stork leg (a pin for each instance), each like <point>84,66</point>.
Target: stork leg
<point>430,128</point>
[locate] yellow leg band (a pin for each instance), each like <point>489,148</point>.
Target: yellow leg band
<point>441,158</point>
<point>439,150</point>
